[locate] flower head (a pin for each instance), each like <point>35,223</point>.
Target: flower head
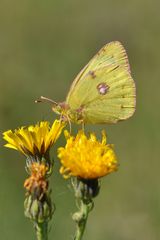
<point>38,205</point>
<point>35,139</point>
<point>86,157</point>
<point>37,181</point>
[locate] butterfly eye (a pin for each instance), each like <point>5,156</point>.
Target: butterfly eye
<point>102,88</point>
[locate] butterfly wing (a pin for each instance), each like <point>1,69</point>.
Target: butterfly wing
<point>105,95</point>
<point>111,53</point>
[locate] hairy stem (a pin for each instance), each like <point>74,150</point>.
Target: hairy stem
<point>81,218</point>
<point>41,231</point>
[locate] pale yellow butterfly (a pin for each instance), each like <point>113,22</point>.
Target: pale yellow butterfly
<point>103,91</point>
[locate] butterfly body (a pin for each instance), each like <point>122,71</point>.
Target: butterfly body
<point>68,114</point>
<point>103,91</point>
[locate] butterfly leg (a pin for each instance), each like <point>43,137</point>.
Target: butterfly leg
<point>83,126</point>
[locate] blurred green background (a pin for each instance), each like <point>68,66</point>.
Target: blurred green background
<point>43,45</point>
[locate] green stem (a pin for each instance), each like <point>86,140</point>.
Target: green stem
<point>41,231</point>
<point>81,219</point>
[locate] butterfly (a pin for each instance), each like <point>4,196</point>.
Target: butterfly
<point>103,92</point>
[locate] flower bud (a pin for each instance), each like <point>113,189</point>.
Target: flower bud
<point>38,210</point>
<point>86,189</point>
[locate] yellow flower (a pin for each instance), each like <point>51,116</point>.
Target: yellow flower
<point>35,139</point>
<point>86,157</point>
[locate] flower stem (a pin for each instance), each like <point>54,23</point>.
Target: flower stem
<point>41,231</point>
<point>81,218</point>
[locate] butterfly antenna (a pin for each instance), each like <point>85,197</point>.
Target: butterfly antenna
<point>44,99</point>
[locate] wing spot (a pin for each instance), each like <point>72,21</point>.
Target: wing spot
<point>92,74</point>
<point>102,88</point>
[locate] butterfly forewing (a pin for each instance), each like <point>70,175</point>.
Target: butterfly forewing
<point>111,53</point>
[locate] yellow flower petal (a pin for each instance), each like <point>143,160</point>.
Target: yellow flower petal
<point>86,157</point>
<point>34,140</point>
